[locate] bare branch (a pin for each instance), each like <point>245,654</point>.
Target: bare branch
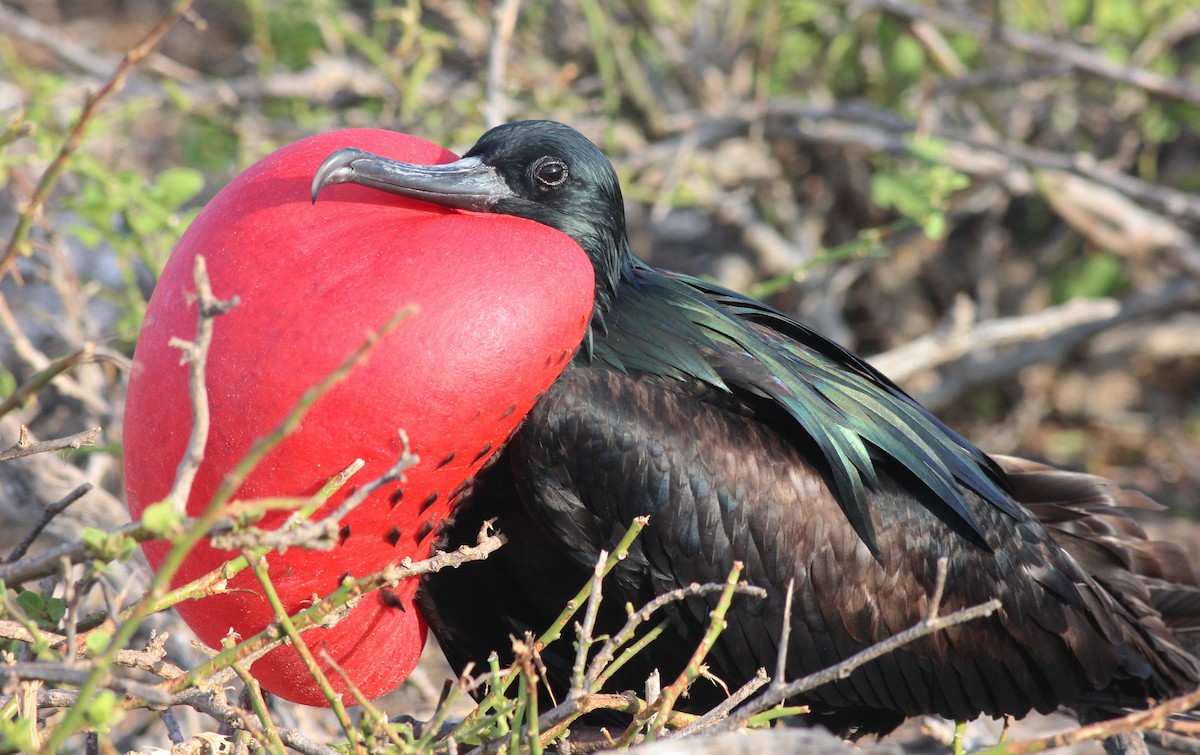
<point>1082,59</point>
<point>25,447</point>
<point>91,106</point>
<point>504,20</point>
<point>47,516</point>
<point>778,694</point>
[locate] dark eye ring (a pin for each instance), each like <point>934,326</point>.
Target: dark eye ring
<point>550,172</point>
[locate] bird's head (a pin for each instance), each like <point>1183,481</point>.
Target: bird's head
<point>540,170</point>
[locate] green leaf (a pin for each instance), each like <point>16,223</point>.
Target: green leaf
<point>1096,275</point>
<point>161,518</point>
<point>931,149</point>
<point>8,382</point>
<point>175,186</point>
<point>31,603</point>
<point>56,609</point>
<point>104,710</point>
<point>907,57</point>
<point>94,539</point>
<point>934,225</point>
<point>98,640</point>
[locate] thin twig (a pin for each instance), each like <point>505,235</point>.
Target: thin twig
<point>785,633</point>
<point>583,631</point>
<point>150,659</point>
<point>1085,60</point>
<point>199,700</point>
<point>23,447</point>
<point>349,591</point>
<point>46,563</point>
<point>718,713</point>
<point>716,625</point>
<point>599,666</point>
<point>939,588</point>
<point>504,19</point>
<point>91,106</point>
<point>48,515</point>
<point>44,377</point>
<point>776,695</point>
<point>1155,716</point>
<point>196,355</point>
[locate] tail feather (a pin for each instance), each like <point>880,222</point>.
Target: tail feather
<point>1153,581</point>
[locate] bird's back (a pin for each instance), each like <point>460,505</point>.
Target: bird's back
<point>602,447</point>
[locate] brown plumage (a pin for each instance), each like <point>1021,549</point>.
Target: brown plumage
<point>1079,624</point>
<point>744,435</point>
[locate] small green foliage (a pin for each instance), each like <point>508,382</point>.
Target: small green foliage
<point>162,518</point>
<point>8,381</point>
<point>48,613</point>
<point>921,193</point>
<point>98,641</point>
<point>103,710</point>
<point>106,547</point>
<point>1090,276</point>
<point>16,735</point>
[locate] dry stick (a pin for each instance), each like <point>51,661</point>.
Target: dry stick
<point>553,722</point>
<point>500,686</point>
<point>623,635</point>
<point>51,511</point>
<point>715,715</point>
<point>785,633</point>
<point>963,337</point>
<point>716,625</point>
<point>196,355</point>
<point>259,566</point>
<point>939,588</point>
<point>171,724</point>
<point>24,447</point>
<point>90,107</point>
<point>504,19</point>
<point>583,632</point>
<point>378,719</point>
<point>350,590</point>
<point>1171,742</point>
<point>46,563</point>
<point>1082,59</point>
<point>270,741</point>
<point>52,39</point>
<point>1151,717</point>
<point>879,130</point>
<point>42,378</point>
<point>776,695</point>
<point>198,700</point>
<point>75,673</point>
<point>150,660</point>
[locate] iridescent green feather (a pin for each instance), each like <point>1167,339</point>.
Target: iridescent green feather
<point>679,327</point>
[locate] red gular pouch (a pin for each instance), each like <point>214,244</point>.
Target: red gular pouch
<point>501,305</point>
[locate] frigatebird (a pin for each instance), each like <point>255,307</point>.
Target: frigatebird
<point>745,435</point>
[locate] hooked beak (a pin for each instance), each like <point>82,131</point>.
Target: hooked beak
<point>466,184</point>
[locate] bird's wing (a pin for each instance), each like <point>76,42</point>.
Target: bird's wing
<point>601,448</point>
<point>858,421</point>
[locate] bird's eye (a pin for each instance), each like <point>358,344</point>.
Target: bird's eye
<point>550,172</point>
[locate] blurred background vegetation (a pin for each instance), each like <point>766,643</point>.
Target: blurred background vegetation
<point>997,198</point>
